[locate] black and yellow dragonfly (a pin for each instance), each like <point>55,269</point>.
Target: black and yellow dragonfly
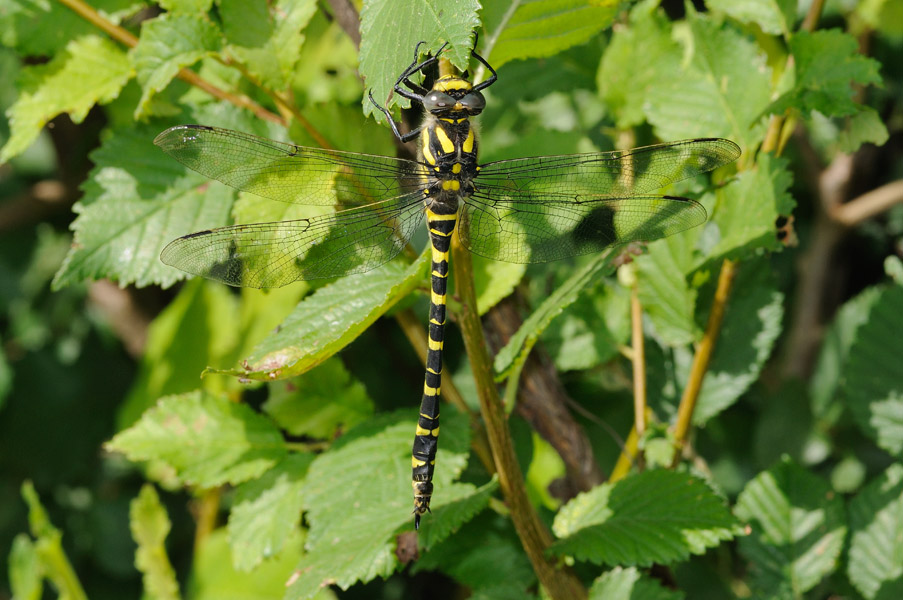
<point>525,210</point>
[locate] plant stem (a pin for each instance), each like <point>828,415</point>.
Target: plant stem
<point>560,583</point>
<point>638,359</point>
<point>703,355</point>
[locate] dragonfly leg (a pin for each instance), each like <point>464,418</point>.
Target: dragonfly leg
<point>407,137</point>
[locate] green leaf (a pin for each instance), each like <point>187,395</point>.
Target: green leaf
<point>874,377</point>
<point>652,517</point>
<point>387,49</point>
<point>186,6</point>
<point>358,497</point>
<point>184,339</point>
<point>330,319</point>
<point>268,45</point>
<point>713,93</point>
<point>591,330</point>
<point>494,280</point>
<point>319,403</point>
<point>752,324</point>
<point>48,547</point>
<point>91,70</point>
<point>520,344</point>
<point>635,61</point>
<point>798,529</point>
<point>150,525</point>
<point>826,381</point>
<point>266,512</point>
<point>828,64</point>
<point>664,291</point>
<point>25,573</point>
<point>167,44</point>
<point>477,556</point>
<point>876,546</point>
<point>775,17</point>
<point>134,202</point>
<point>448,518</point>
<point>6,376</point>
<point>865,127</point>
<point>748,207</point>
<point>44,27</point>
<point>630,584</point>
<point>207,440</point>
<point>538,28</point>
<point>213,578</point>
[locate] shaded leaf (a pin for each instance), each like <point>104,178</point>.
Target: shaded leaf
<point>493,281</point>
<point>207,440</point>
<point>478,554</point>
<point>167,44</point>
<point>798,529</point>
<point>319,403</point>
<point>874,377</point>
<point>865,127</point>
<point>518,347</point>
<point>827,65</point>
<point>537,28</point>
<point>91,70</point>
<point>876,547</point>
<point>825,384</point>
<point>748,207</point>
<point>752,324</point>
<point>150,525</point>
<point>630,584</point>
<point>358,497</point>
<point>329,319</point>
<point>591,330</point>
<point>266,512</point>
<point>652,517</point>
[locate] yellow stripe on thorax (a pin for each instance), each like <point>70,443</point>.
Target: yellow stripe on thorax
<point>447,145</point>
<point>427,153</point>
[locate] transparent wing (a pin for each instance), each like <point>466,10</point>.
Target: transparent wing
<point>522,227</point>
<point>615,174</point>
<point>266,255</point>
<point>287,172</point>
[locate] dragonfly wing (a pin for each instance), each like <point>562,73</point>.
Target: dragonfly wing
<point>534,228</point>
<point>616,174</point>
<point>287,172</point>
<point>266,255</point>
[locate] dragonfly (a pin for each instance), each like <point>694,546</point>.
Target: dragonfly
<point>524,210</point>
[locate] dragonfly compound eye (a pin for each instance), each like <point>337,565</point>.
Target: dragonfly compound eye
<point>437,102</point>
<point>473,103</point>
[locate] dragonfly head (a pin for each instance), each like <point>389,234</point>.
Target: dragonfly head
<point>453,96</point>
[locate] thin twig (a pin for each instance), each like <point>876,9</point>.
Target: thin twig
<point>638,360</point>
<point>346,16</point>
<point>868,205</point>
<point>126,38</point>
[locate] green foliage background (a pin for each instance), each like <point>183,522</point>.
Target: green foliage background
<point>283,472</point>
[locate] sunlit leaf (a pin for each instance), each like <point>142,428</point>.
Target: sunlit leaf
<point>206,440</point>
<point>91,70</point>
<point>630,584</point>
<point>652,517</point>
<point>150,525</point>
